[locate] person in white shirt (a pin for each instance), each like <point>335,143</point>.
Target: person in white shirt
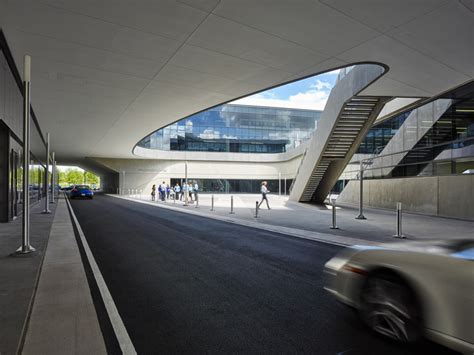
<point>177,190</point>
<point>163,191</point>
<point>196,189</point>
<point>264,191</point>
<point>190,190</point>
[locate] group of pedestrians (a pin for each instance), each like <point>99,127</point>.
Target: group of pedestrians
<point>187,192</point>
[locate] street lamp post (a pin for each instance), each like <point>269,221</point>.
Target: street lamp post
<point>25,247</point>
<point>46,177</point>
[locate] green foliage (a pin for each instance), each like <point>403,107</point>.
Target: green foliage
<point>73,176</point>
<point>91,179</point>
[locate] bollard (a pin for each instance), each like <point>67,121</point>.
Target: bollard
<point>231,205</point>
<point>197,201</point>
<point>212,203</point>
<point>361,192</point>
<point>333,201</point>
<point>117,190</point>
<point>256,209</point>
<point>399,222</point>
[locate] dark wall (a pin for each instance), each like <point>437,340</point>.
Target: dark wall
<point>4,171</point>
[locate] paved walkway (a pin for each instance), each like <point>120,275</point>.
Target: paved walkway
<point>314,221</point>
<point>18,274</point>
<point>63,318</point>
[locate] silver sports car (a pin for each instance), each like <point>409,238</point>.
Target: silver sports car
<point>410,289</point>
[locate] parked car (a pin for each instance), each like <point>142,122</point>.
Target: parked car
<point>81,191</point>
<point>67,188</point>
<point>408,290</point>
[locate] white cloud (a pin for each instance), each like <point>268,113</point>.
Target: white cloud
<point>321,85</point>
<point>312,100</point>
<point>209,133</point>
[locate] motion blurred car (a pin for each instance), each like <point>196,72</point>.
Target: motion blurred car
<point>67,188</point>
<point>408,290</point>
<point>81,191</point>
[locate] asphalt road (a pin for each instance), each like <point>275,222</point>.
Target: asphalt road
<point>186,284</point>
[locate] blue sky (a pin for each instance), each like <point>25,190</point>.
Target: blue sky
<point>310,93</point>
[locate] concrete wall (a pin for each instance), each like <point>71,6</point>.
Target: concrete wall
<point>446,196</point>
<point>143,173</point>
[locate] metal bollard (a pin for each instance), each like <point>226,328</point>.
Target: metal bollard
<point>333,201</point>
<point>212,203</point>
<point>256,209</point>
<point>231,205</point>
<point>197,201</point>
<point>399,222</point>
<point>117,191</point>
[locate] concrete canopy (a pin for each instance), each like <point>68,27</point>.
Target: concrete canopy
<point>107,73</point>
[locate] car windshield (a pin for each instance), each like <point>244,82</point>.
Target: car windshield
<point>82,187</point>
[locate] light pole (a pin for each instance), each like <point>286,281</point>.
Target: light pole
<point>25,247</point>
<point>46,177</point>
<point>53,178</point>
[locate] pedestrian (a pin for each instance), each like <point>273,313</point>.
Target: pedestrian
<point>184,192</point>
<point>168,190</point>
<point>153,192</point>
<point>196,189</point>
<point>159,192</point>
<point>163,191</point>
<point>264,190</point>
<point>177,191</point>
<point>190,190</point>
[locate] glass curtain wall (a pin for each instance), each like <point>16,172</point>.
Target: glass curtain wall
<point>447,147</point>
<point>226,186</point>
<point>237,129</point>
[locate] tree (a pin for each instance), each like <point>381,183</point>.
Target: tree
<point>91,178</point>
<point>74,177</point>
<point>62,178</point>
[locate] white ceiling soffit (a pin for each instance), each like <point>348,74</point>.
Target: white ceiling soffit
<point>107,73</point>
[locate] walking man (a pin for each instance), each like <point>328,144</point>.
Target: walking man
<point>163,191</point>
<point>196,189</point>
<point>264,191</point>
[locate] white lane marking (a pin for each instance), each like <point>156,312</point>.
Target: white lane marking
<point>121,333</point>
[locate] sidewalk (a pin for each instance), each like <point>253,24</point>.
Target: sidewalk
<point>18,274</point>
<point>310,220</point>
<point>63,319</point>
<point>46,305</point>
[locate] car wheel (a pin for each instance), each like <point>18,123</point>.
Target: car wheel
<point>388,306</point>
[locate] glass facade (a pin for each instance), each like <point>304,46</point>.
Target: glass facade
<point>11,148</point>
<point>428,146</point>
<point>237,129</point>
<point>226,186</point>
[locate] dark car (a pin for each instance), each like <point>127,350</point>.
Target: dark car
<point>81,191</point>
<point>67,188</point>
